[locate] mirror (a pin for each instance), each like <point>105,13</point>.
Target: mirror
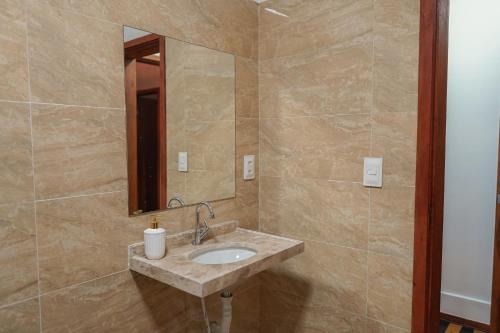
<point>180,101</point>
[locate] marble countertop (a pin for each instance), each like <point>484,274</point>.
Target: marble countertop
<point>177,269</point>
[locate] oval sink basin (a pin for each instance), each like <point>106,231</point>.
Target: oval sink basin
<point>224,255</point>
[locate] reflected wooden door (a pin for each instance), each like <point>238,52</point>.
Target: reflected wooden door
<point>131,104</point>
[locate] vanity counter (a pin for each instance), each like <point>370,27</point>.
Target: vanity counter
<point>178,269</point>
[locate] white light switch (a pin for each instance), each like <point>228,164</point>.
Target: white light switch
<point>248,167</point>
<point>182,161</point>
<point>372,172</point>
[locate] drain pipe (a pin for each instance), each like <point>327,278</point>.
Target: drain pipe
<point>224,324</point>
<point>205,314</point>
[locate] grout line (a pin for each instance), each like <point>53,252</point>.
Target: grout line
<point>79,196</point>
<point>11,101</point>
<point>319,115</point>
<point>19,302</point>
<point>33,168</point>
<point>63,288</point>
<point>372,88</point>
<point>80,106</point>
<point>84,282</point>
<point>57,104</point>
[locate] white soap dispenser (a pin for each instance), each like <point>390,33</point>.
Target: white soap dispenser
<point>154,241</point>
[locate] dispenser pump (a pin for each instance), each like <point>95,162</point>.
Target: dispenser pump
<point>154,223</point>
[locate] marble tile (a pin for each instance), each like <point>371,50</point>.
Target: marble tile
<point>225,25</point>
<point>341,289</point>
<point>330,81</point>
<point>20,317</point>
<point>13,58</point>
<point>18,270</point>
<point>326,147</point>
<point>394,138</point>
<point>84,238</point>
<point>390,289</point>
<point>377,327</point>
<point>78,150</point>
<point>123,302</point>
<point>247,191</point>
<point>178,270</point>
<point>397,17</point>
<point>247,88</point>
<point>391,224</point>
<point>16,168</point>
<point>307,295</point>
<point>312,27</point>
<point>335,212</point>
<point>87,68</point>
<point>395,87</point>
<point>245,307</point>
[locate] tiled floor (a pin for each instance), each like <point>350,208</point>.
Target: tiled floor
<point>447,327</point>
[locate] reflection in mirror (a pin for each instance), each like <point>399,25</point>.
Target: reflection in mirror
<point>145,92</point>
<point>180,102</point>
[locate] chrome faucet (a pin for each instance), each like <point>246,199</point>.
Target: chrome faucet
<point>201,231</point>
<point>178,199</point>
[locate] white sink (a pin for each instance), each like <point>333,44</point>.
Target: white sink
<point>225,255</point>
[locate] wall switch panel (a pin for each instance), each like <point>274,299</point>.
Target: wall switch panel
<point>248,167</point>
<point>372,172</point>
<point>182,161</point>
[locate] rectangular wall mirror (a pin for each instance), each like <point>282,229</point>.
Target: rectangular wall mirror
<point>180,101</point>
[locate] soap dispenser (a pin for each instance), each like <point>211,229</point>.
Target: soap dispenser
<point>154,240</point>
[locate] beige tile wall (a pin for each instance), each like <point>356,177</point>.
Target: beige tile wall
<point>338,81</point>
<point>335,81</point>
<point>64,227</point>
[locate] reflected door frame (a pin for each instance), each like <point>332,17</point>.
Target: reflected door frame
<point>429,186</point>
<point>134,50</point>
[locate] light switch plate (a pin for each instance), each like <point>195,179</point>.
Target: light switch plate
<point>182,161</point>
<point>372,171</point>
<point>249,167</point>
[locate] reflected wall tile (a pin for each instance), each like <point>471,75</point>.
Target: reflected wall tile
<point>74,59</point>
<point>13,63</point>
<point>78,150</point>
<point>327,147</point>
<point>390,289</point>
<point>311,28</point>
<point>16,168</point>
<point>84,238</point>
<point>331,211</point>
<point>18,270</point>
<point>394,138</point>
<point>391,223</point>
<point>331,81</point>
<point>21,317</point>
<point>123,302</point>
